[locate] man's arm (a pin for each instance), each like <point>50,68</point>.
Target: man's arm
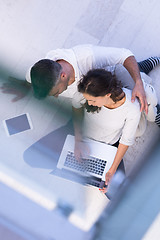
<point>138,91</point>
<point>109,56</point>
<point>17,87</point>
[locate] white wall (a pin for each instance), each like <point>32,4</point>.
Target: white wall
<point>30,28</point>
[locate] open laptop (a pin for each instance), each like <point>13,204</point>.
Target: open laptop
<point>93,167</point>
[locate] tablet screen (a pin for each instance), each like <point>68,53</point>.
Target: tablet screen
<point>17,124</point>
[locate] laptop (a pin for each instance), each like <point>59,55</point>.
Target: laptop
<point>93,167</point>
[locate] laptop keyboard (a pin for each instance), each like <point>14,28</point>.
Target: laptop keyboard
<point>89,165</point>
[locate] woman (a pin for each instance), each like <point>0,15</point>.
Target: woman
<point>109,114</point>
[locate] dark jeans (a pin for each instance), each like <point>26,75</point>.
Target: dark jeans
<point>121,165</point>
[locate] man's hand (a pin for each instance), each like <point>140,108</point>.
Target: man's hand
<point>19,88</point>
<point>138,91</point>
<point>132,67</point>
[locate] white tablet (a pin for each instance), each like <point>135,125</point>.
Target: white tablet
<point>17,124</point>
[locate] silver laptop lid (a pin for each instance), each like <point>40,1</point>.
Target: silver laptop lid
<point>101,152</point>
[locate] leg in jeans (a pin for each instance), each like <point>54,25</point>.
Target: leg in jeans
<point>46,151</point>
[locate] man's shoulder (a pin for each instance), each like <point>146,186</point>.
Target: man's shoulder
<point>83,48</point>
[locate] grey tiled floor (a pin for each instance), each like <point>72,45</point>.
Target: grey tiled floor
<point>31,28</point>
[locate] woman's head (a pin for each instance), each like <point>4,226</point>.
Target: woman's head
<point>98,85</point>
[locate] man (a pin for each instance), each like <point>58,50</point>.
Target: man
<point>60,71</point>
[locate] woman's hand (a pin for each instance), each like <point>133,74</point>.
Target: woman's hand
<point>119,155</point>
<point>78,151</point>
<point>81,150</point>
<point>108,178</point>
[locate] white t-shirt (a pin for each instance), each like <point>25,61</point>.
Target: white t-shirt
<point>84,58</point>
<point>110,125</point>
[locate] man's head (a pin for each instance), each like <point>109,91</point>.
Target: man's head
<point>45,74</point>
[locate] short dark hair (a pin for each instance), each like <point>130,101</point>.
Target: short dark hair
<point>44,76</point>
<point>99,82</point>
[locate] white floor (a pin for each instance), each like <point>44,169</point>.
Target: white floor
<point>30,28</point>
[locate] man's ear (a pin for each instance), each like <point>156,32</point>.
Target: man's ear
<point>108,94</point>
<point>63,76</point>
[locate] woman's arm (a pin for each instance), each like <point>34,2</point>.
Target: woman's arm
<point>78,114</point>
<point>118,158</point>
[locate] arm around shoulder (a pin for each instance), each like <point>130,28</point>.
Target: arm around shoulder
<point>138,91</point>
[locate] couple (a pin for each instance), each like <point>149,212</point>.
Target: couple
<point>115,118</point>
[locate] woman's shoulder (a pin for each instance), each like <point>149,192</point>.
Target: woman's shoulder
<point>128,92</point>
<point>78,100</point>
<point>132,105</point>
